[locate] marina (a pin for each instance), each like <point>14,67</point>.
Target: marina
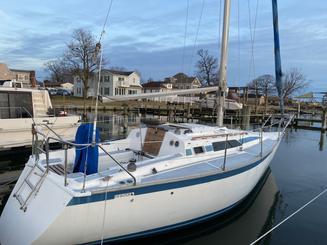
<point>287,193</point>
<point>96,154</point>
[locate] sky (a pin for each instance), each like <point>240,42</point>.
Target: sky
<point>153,36</point>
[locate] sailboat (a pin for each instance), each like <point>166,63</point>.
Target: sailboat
<point>155,180</point>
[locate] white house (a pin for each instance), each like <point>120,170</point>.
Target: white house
<point>112,83</point>
<point>157,86</point>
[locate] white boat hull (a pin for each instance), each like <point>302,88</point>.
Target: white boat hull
<point>130,213</point>
<point>17,132</point>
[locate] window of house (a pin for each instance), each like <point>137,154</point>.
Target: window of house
<point>198,149</point>
<point>106,91</point>
<point>121,79</point>
<point>106,79</point>
<point>131,91</point>
<point>116,91</point>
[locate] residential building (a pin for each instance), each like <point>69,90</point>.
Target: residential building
<point>63,85</point>
<point>157,86</point>
<point>25,77</point>
<point>182,81</point>
<point>112,83</point>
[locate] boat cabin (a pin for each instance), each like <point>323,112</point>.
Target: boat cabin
<point>16,102</point>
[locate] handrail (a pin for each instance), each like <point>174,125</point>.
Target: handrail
<point>263,125</point>
<point>50,129</point>
<point>134,179</point>
<point>66,145</point>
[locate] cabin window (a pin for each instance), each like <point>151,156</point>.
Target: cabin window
<point>176,143</point>
<point>198,150</point>
<point>218,146</point>
<point>188,152</point>
<point>15,105</point>
<point>234,143</point>
<point>209,148</point>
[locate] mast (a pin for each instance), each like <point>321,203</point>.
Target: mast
<point>278,65</point>
<point>222,85</point>
<point>97,50</point>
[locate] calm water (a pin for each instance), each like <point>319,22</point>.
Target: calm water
<point>297,173</point>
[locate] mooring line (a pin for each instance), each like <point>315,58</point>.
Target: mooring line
<point>315,198</point>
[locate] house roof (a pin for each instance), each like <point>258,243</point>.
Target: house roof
<point>116,72</point>
<point>154,84</point>
<point>135,86</point>
<point>183,78</point>
<point>253,96</point>
<point>18,70</point>
<point>55,84</point>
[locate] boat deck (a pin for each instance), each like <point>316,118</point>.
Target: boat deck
<point>235,160</point>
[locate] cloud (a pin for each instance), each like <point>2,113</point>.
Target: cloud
<point>149,35</point>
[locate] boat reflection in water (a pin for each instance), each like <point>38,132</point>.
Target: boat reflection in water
<point>242,225</point>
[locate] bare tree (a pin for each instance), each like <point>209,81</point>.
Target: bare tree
<point>59,72</point>
<point>263,84</point>
<point>294,81</point>
<point>207,68</point>
<point>81,58</point>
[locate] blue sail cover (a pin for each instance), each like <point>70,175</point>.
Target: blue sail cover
<point>86,154</point>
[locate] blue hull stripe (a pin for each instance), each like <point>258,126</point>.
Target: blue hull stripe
<point>163,186</point>
<point>169,227</point>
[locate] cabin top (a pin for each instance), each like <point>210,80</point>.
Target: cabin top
<point>183,139</point>
<point>23,102</point>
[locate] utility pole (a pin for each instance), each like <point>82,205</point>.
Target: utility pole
<point>222,85</point>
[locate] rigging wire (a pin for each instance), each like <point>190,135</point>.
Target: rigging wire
<point>185,33</point>
<point>106,20</point>
<point>252,38</point>
<point>238,45</point>
<point>104,209</point>
<point>98,49</point>
<point>196,35</point>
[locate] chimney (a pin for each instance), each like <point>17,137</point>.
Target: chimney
<point>32,79</point>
